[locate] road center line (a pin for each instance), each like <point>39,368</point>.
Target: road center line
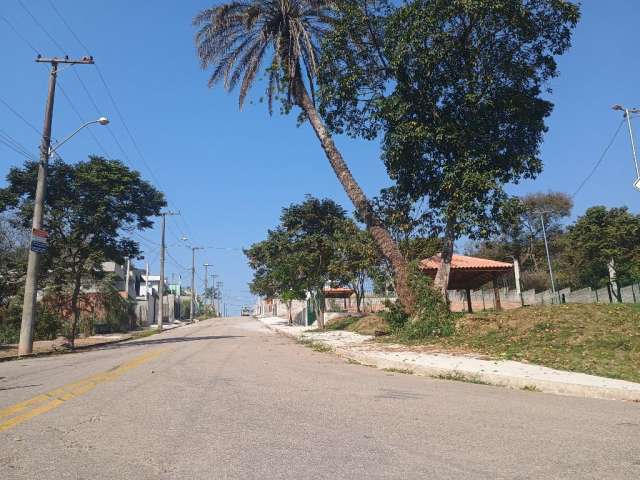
<point>46,402</point>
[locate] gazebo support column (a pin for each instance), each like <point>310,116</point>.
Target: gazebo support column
<point>496,293</point>
<point>469,306</point>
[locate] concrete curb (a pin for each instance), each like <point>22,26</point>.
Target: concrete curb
<point>376,359</point>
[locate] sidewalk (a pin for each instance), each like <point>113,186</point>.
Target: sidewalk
<point>47,347</point>
<point>471,368</point>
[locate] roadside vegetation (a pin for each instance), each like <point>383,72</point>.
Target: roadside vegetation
<point>595,339</point>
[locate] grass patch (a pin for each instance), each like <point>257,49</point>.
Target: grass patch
<point>315,346</point>
<point>145,333</point>
<point>368,325</point>
<point>461,377</point>
<point>530,388</point>
<point>405,371</point>
<point>341,323</point>
<point>595,339</point>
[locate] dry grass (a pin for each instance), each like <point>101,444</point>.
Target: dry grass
<point>596,339</point>
<point>367,325</point>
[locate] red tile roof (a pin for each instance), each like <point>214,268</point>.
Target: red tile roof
<point>339,292</point>
<point>463,262</point>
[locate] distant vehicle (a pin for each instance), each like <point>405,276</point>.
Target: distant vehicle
<point>245,312</point>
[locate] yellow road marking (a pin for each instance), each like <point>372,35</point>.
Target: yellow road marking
<point>48,401</point>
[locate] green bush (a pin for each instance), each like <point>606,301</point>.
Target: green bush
<point>47,327</point>
<point>395,315</point>
<point>431,318</point>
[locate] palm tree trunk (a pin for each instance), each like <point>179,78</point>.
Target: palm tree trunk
<point>381,236</point>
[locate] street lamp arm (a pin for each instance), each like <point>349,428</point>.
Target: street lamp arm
<point>101,121</point>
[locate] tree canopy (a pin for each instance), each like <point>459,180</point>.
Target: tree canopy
<point>90,207</point>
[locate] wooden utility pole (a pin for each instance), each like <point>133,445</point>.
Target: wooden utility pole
<point>25,346</point>
<point>193,282</point>
<point>206,283</point>
<point>161,283</point>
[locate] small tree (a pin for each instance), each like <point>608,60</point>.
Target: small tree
<point>90,205</point>
<point>297,255</point>
<point>356,256</point>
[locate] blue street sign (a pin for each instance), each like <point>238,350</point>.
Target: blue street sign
<point>38,247</point>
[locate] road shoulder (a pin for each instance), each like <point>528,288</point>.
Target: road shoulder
<point>471,368</point>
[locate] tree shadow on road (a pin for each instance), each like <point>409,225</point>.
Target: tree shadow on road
<point>161,341</point>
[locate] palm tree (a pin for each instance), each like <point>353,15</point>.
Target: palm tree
<point>234,39</point>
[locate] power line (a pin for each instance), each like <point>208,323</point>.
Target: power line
<point>597,164</point>
<point>82,120</point>
<point>17,32</point>
<point>116,108</point>
<point>21,117</point>
<point>16,146</point>
<point>176,262</point>
<point>46,32</point>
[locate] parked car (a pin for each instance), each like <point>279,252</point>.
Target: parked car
<point>245,312</point>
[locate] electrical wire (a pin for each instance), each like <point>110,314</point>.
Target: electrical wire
<point>16,146</point>
<point>21,117</point>
<point>597,164</point>
<point>17,32</point>
<point>116,108</point>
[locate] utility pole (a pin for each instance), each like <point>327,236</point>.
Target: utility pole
<point>206,278</point>
<point>214,296</point>
<point>219,289</point>
<point>25,346</point>
<point>193,282</point>
<point>161,283</point>
<point>126,278</point>
<point>546,247</point>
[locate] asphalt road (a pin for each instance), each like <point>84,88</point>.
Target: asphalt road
<point>229,399</point>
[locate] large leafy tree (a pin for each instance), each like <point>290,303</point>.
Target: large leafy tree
<point>456,87</point>
<point>237,39</point>
<point>603,237</point>
<point>297,256</point>
<point>90,207</point>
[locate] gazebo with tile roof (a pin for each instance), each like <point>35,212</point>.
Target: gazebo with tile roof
<point>469,273</point>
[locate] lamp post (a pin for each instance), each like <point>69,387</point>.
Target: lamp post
<point>38,236</point>
<point>627,115</point>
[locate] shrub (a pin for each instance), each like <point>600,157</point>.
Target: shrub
<point>395,315</point>
<point>48,325</point>
<point>431,318</point>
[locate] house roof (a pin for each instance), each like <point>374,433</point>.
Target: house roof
<point>340,292</point>
<point>467,272</point>
<point>464,262</point>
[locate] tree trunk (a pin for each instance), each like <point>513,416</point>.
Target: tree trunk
<point>319,307</point>
<point>381,236</point>
<point>75,309</point>
<point>289,303</point>
<point>441,282</point>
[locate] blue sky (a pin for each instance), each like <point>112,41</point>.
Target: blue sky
<point>231,172</point>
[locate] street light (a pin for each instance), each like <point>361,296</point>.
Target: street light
<point>627,114</point>
<point>100,121</point>
<point>38,244</point>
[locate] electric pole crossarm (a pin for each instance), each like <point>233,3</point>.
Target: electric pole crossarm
<point>86,60</point>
